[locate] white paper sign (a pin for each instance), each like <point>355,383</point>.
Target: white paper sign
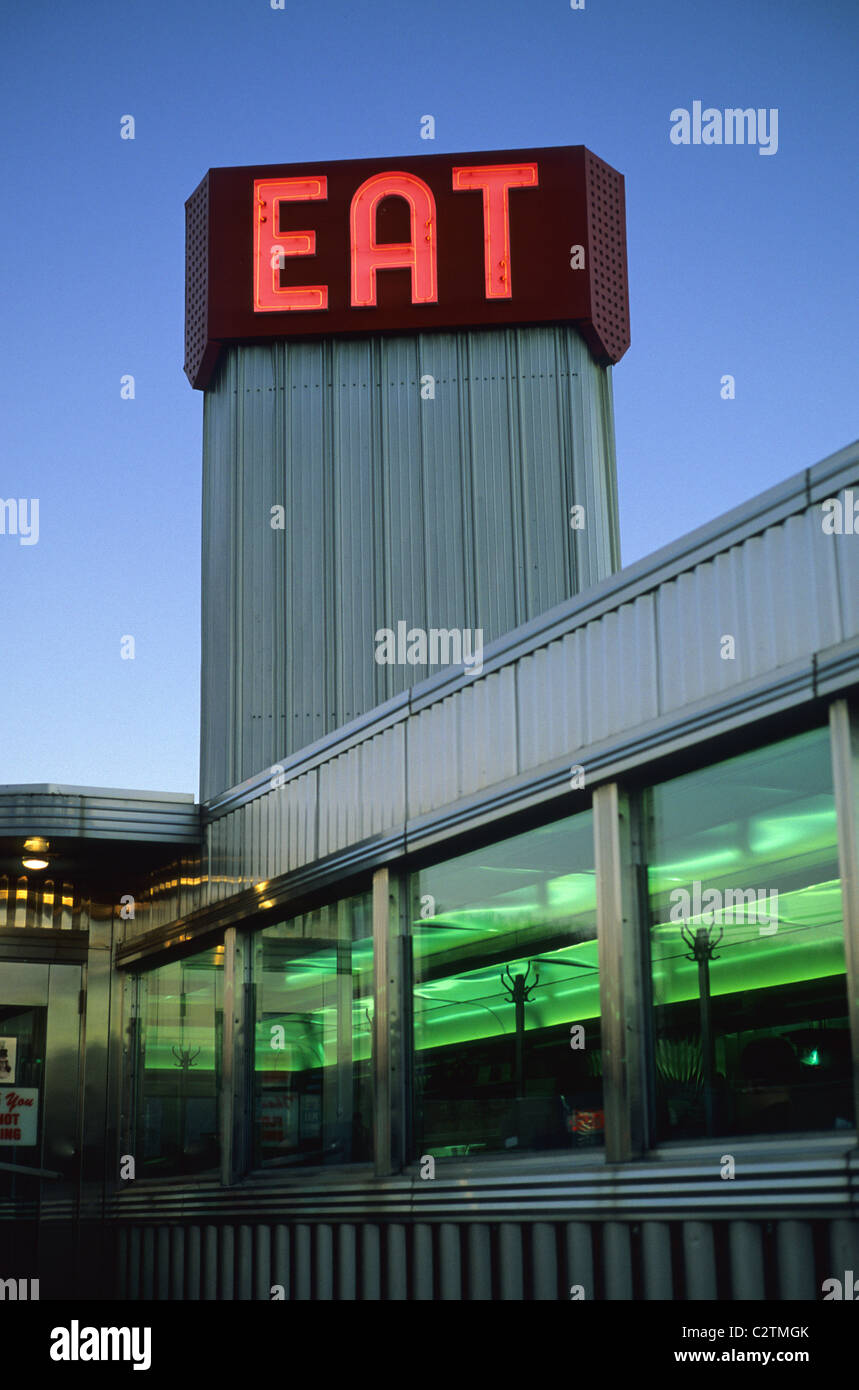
<point>8,1053</point>
<point>19,1113</point>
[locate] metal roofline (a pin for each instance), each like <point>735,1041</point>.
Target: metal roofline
<point>796,494</point>
<point>114,793</point>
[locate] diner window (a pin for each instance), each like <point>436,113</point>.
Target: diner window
<point>179,1070</point>
<point>506,996</point>
<point>313,1049</point>
<point>751,1031</point>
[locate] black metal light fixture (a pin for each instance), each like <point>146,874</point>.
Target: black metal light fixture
<point>702,948</point>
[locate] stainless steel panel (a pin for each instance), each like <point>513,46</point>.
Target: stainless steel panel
<point>544,1262</point>
<point>347,1259</point>
<point>122,1255</point>
<point>302,1254</point>
<point>747,1260</point>
<point>843,1247</point>
<point>795,1255</point>
<point>422,1262</point>
<point>336,1261</point>
<point>262,1263</point>
<point>194,1252</point>
<point>282,1266</point>
<point>656,1260</point>
<point>244,1263</point>
<point>237,1048</point>
<point>162,1263</point>
<point>621,966</point>
<point>451,1262</point>
<point>386,990</point>
<point>135,1263</point>
<point>177,1263</point>
<point>62,1101</point>
<point>699,1258</point>
<point>397,1264</point>
<point>451,512</point>
<point>96,813</point>
<point>25,983</point>
<point>510,1272</point>
<point>226,1237</point>
<point>324,1290</point>
<point>580,1256</point>
<point>210,1263</point>
<point>617,1260</point>
<point>479,1262</point>
<point>844,748</point>
<point>371,1263</point>
<point>148,1282</point>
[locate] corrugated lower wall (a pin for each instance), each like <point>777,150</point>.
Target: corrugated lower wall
<point>779,1260</point>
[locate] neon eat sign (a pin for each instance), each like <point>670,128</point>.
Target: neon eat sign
<point>410,245</point>
<point>368,254</point>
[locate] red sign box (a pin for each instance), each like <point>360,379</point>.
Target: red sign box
<point>406,245</point>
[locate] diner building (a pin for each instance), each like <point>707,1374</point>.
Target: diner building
<point>520,962</point>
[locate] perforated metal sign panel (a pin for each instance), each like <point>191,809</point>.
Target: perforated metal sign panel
<point>406,244</point>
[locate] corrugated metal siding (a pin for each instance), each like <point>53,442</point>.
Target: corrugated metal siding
<point>776,597</point>
<point>624,666</point>
<point>446,513</point>
<point>466,1260</point>
<point>28,902</point>
<point>95,813</point>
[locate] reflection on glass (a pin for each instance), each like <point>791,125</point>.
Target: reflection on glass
<point>747,946</point>
<point>313,1050</point>
<point>179,1072</point>
<point>506,996</point>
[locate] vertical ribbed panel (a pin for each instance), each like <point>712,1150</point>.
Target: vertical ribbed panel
<point>747,1260</point>
<point>450,1261</point>
<point>774,595</point>
<point>699,1255</point>
<point>656,1259</point>
<point>371,1264</point>
<point>544,1262</point>
<point>422,1263</point>
<point>451,512</point>
<point>511,1273</point>
<point>347,1250</point>
<point>795,1253</point>
<point>481,1261</point>
<point>580,1258</point>
<point>29,901</point>
<point>194,1263</point>
<point>617,1272</point>
<point>282,1267</point>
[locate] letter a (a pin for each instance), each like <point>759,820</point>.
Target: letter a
<point>832,525</point>
<point>680,129</point>
<point>370,256</point>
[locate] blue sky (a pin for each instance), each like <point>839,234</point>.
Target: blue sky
<point>738,263</point>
